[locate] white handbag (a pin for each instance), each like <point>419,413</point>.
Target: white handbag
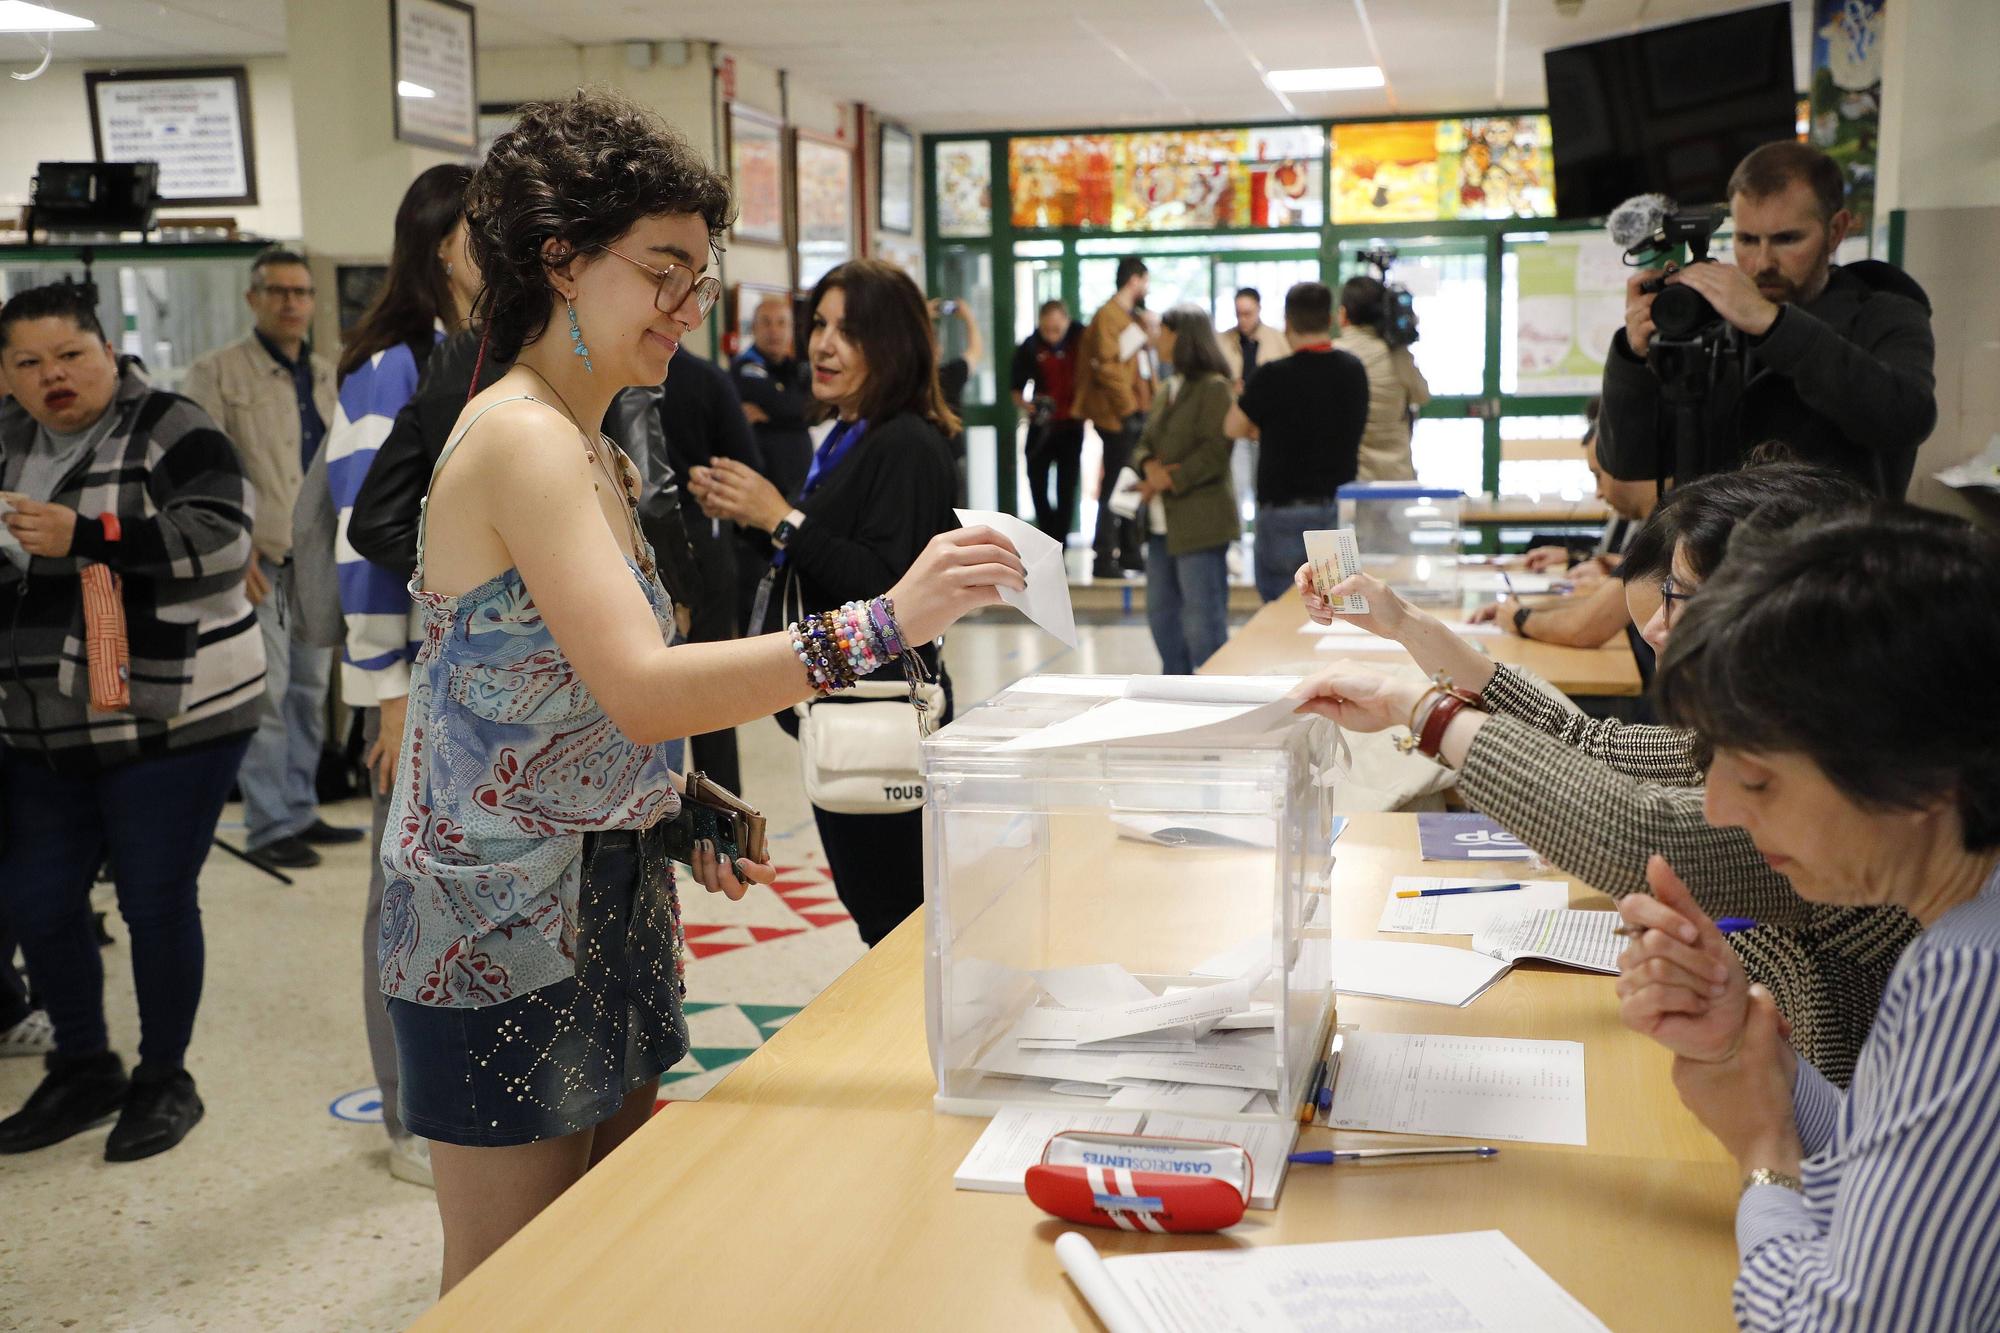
<point>863,747</point>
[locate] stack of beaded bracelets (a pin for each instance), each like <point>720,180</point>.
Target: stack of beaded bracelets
<point>839,647</point>
<point>1434,711</point>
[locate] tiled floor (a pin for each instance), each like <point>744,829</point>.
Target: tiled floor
<point>278,1212</point>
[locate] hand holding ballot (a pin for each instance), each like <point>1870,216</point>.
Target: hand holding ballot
<point>1359,699</point>
<point>957,572</point>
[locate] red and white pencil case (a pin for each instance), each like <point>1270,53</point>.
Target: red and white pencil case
<point>1137,1183</point>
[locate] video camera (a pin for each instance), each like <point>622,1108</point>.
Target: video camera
<point>1398,321</point>
<point>1680,313</point>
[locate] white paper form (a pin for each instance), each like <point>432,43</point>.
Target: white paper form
<point>1347,629</point>
<point>1188,1098</point>
<point>1474,1280</point>
<point>1191,708</point>
<point>1461,1087</point>
<point>1205,830</point>
<point>1092,986</point>
<point>1082,687</point>
<point>1464,913</point>
<point>1214,1066</point>
<point>1269,1144</point>
<point>1588,940</point>
<point>1014,1140</point>
<point>1426,973</point>
<point>1183,1009</point>
<point>1046,598</point>
<point>1131,340</point>
<point>1490,580</point>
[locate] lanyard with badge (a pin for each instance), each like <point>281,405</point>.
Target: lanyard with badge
<point>840,441</point>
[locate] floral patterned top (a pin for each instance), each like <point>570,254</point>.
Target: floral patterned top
<point>507,761</point>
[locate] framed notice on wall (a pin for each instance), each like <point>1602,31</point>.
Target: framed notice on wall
<point>435,68</point>
<point>897,203</point>
<point>194,122</point>
<point>823,170</point>
<point>757,170</point>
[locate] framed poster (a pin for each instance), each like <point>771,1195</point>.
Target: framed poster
<point>194,122</point>
<point>757,169</point>
<point>823,176</point>
<point>435,68</point>
<point>896,205</point>
<point>963,187</point>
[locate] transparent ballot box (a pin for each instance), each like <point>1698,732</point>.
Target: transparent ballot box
<point>1126,885</point>
<point>1409,535</point>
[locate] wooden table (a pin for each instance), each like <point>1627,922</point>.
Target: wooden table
<point>812,1187</point>
<point>1272,640</point>
<point>1518,510</point>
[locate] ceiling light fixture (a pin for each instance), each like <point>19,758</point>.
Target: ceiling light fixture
<point>20,16</point>
<point>405,88</point>
<point>1350,78</point>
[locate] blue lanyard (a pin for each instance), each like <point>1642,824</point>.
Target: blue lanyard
<point>835,447</point>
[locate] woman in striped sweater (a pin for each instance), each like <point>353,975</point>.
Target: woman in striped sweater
<point>430,288</point>
<point>121,501</point>
<point>1596,796</point>
<point>1877,1208</point>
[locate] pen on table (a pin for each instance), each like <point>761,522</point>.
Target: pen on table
<point>1728,925</point>
<point>1317,1082</point>
<point>1371,1154</point>
<point>1462,888</point>
<point>1325,1099</point>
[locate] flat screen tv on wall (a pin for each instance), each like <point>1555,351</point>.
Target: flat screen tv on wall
<point>1669,110</point>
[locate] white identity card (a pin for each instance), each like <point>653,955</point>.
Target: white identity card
<point>1334,556</point>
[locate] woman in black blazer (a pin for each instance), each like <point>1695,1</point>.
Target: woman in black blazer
<point>881,486</point>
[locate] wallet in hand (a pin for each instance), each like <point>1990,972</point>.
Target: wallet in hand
<point>718,816</point>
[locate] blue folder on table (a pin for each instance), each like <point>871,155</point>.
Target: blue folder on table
<point>1468,837</point>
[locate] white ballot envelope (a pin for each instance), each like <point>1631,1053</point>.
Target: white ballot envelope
<point>1130,341</point>
<point>1334,556</point>
<point>1046,598</point>
<point>1125,499</point>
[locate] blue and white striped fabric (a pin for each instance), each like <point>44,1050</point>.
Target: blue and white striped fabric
<point>1899,1224</point>
<point>381,637</point>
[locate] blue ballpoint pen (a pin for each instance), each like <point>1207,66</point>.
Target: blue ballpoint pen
<point>1463,888</point>
<point>1370,1154</point>
<point>1734,925</point>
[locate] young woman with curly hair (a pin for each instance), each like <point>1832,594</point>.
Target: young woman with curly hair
<point>530,944</point>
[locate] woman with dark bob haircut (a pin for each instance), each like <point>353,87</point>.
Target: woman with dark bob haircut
<point>531,947</point>
<point>880,487</point>
<point>1845,677</point>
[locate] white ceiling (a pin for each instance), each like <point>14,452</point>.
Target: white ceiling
<point>998,64</point>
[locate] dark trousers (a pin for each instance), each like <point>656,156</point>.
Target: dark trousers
<point>154,819</point>
<point>1056,447</point>
<point>715,619</point>
<point>14,1004</point>
<point>878,867</point>
<point>1119,541</point>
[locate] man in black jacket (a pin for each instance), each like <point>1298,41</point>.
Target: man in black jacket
<point>689,421</point>
<point>1836,361</point>
<point>1046,359</point>
<point>775,384</point>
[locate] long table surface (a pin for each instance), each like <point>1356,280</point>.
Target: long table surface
<point>1272,640</point>
<point>812,1187</point>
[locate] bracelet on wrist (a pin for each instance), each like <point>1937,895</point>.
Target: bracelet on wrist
<point>841,646</point>
<point>1431,739</point>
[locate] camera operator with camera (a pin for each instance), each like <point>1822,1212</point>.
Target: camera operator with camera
<point>1834,361</point>
<point>1046,359</point>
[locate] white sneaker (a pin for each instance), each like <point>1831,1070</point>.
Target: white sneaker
<point>410,1160</point>
<point>33,1035</point>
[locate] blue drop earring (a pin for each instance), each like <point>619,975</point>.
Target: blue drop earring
<point>576,338</point>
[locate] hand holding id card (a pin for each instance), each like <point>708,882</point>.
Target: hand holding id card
<point>1333,555</point>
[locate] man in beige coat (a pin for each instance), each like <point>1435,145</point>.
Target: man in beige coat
<point>1252,343</point>
<point>1396,388</point>
<point>274,398</point>
<point>1112,395</point>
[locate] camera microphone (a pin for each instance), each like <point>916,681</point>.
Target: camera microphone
<point>1638,219</point>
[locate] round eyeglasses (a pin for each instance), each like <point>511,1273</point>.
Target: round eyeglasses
<point>677,283</point>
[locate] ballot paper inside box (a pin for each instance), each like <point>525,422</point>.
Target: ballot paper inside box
<point>1129,921</point>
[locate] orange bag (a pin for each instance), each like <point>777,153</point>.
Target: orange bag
<point>104,644</point>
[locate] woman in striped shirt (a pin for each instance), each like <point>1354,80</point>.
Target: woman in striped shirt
<point>1877,1208</point>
